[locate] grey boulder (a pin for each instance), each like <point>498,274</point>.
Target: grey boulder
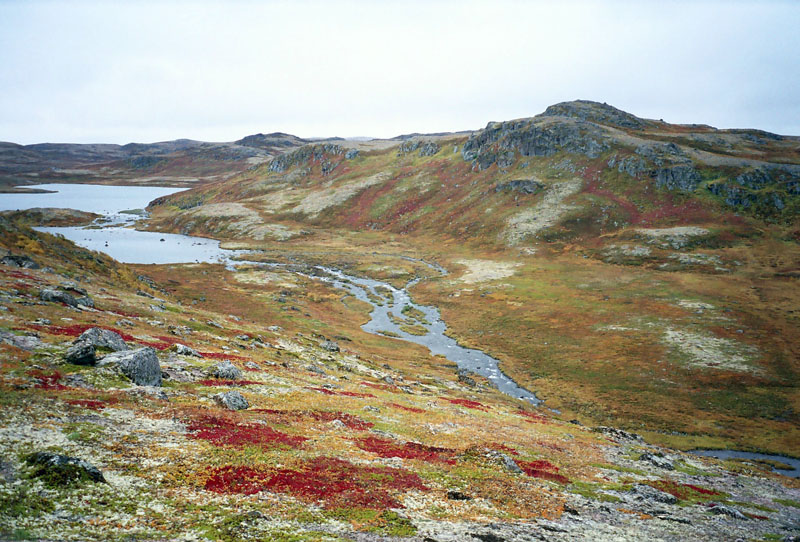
<point>227,370</point>
<point>232,400</point>
<point>140,365</point>
<point>649,493</point>
<point>81,353</point>
<point>102,338</point>
<point>24,342</point>
<point>57,296</point>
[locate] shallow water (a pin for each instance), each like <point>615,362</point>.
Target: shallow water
<point>468,359</point>
<point>794,472</point>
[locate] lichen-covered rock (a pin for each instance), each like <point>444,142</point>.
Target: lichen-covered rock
<point>227,370</point>
<point>351,154</point>
<point>649,493</point>
<point>103,338</point>
<point>24,342</point>
<point>681,177</point>
<point>25,262</point>
<point>81,353</point>
<point>657,461</point>
<point>724,510</point>
<point>429,148</point>
<point>184,350</point>
<point>232,400</point>
<point>53,295</point>
<point>140,366</point>
<point>500,142</point>
<point>330,346</point>
<point>62,470</point>
<point>523,186</point>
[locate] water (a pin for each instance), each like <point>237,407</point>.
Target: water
<point>127,245</point>
<point>794,472</point>
<point>113,234</point>
<point>131,246</point>
<point>108,201</point>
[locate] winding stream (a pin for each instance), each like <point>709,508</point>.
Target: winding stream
<point>117,239</point>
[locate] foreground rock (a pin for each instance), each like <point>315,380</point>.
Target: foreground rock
<point>62,470</point>
<point>24,342</point>
<point>81,353</point>
<point>140,365</point>
<point>102,338</point>
<point>227,370</point>
<point>232,400</point>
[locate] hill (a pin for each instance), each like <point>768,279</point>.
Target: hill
<point>182,162</point>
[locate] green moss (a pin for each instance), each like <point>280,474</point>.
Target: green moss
<point>25,503</point>
<point>788,502</point>
<point>83,432</point>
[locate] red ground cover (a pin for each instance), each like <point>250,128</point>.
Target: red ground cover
<point>542,469</point>
<point>532,416</point>
<point>225,432</point>
<point>222,355</point>
<point>92,404</point>
<point>326,391</point>
<point>48,381</point>
<point>222,382</point>
<point>408,408</point>
<point>406,450</point>
<point>467,403</point>
<point>289,416</point>
<point>334,482</point>
<point>681,491</point>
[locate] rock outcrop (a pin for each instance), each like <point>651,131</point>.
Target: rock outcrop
<point>141,366</point>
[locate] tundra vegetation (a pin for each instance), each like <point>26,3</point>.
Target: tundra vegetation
<point>640,277</point>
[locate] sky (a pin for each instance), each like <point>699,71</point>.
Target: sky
<point>116,72</point>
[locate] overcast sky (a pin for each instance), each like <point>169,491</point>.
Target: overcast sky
<point>136,71</point>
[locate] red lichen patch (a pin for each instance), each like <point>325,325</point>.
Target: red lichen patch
<point>467,403</point>
<point>222,382</point>
<point>244,480</point>
<point>683,491</point>
<point>407,408</point>
<point>20,275</point>
<point>502,448</point>
<point>532,416</point>
<point>91,404</point>
<point>384,387</point>
<point>286,417</point>
<point>225,432</point>
<point>340,392</point>
<point>406,450</point>
<point>48,381</point>
<point>333,482</point>
<point>542,469</point>
<point>222,355</point>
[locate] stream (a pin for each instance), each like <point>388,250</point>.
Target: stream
<point>115,236</point>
